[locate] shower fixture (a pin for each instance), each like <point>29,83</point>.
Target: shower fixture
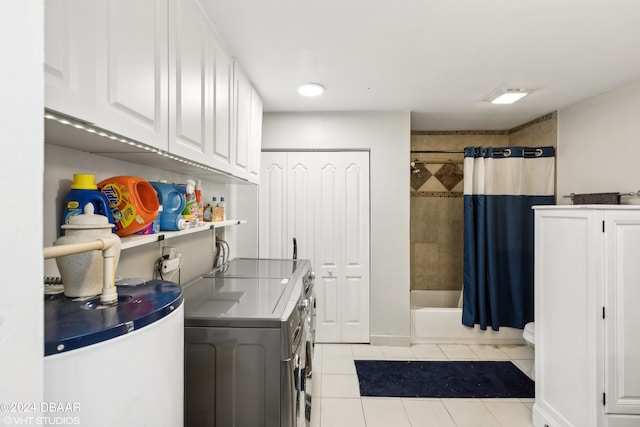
<point>414,168</point>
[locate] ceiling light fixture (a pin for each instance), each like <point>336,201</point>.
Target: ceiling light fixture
<point>508,96</point>
<point>311,89</point>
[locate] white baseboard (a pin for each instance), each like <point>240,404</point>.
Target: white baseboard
<point>390,340</point>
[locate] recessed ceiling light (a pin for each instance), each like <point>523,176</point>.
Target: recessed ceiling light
<point>311,89</point>
<point>508,96</point>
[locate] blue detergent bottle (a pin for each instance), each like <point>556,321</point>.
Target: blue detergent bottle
<point>172,201</point>
<point>84,190</point>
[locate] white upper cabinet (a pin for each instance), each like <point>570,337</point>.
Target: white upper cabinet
<point>153,71</point>
<point>69,67</point>
<point>223,97</point>
<point>132,69</point>
<point>248,128</point>
<point>255,138</point>
<point>201,89</point>
<point>242,108</point>
<point>191,64</point>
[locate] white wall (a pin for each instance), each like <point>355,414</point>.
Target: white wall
<point>598,144</point>
<point>21,168</point>
<point>197,249</point>
<point>387,136</point>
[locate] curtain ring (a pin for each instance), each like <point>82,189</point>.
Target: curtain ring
<point>539,152</point>
<point>506,152</point>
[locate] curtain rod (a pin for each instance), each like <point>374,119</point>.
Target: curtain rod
<point>636,194</point>
<point>437,151</point>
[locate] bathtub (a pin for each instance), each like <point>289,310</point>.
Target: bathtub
<point>436,318</point>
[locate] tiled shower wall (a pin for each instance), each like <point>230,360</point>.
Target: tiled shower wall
<point>436,196</point>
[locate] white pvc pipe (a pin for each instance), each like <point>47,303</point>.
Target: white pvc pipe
<point>72,248</point>
<point>109,294</point>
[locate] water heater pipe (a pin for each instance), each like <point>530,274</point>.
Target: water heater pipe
<point>107,245</point>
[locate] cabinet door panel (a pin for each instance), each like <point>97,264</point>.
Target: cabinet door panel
<point>191,120</point>
<point>223,93</point>
<point>562,253</point>
<point>132,70</point>
<point>69,68</point>
<point>255,138</point>
<point>622,275</point>
<point>242,122</point>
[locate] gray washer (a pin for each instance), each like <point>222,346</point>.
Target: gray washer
<point>245,340</point>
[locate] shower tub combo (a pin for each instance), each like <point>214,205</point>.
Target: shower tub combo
<point>436,317</point>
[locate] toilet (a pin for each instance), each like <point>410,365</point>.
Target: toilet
<point>529,335</point>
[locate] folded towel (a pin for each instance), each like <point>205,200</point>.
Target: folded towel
<point>596,199</point>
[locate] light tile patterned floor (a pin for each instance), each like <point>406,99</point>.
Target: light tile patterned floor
<point>337,401</point>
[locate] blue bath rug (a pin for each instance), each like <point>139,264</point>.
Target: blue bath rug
<point>477,379</point>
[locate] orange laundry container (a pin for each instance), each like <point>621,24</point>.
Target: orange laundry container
<point>133,202</point>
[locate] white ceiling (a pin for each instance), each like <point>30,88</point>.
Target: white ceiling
<point>436,58</point>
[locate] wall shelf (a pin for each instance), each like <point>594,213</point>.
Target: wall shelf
<point>143,239</point>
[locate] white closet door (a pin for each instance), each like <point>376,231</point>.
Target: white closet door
<point>356,294</point>
<point>322,200</point>
<point>302,170</point>
<point>342,247</point>
<point>272,218</point>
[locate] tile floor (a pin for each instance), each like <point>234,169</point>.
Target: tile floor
<point>337,401</point>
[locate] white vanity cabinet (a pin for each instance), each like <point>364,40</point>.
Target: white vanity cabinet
<point>587,294</point>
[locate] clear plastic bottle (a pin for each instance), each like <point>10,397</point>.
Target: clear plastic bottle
<point>222,211</point>
<point>214,209</point>
<point>200,205</point>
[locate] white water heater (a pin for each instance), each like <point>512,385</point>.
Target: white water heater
<point>116,366</point>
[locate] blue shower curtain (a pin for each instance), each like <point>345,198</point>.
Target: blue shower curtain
<point>500,187</point>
